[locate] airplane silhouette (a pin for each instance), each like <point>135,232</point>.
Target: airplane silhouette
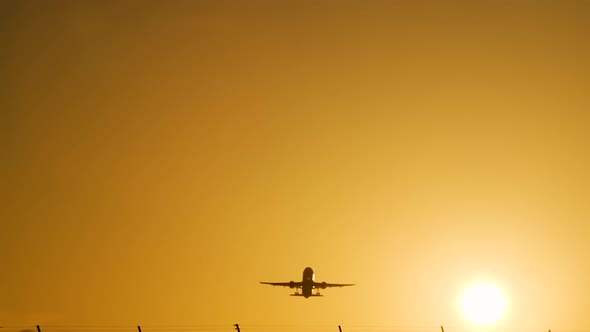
<point>307,285</point>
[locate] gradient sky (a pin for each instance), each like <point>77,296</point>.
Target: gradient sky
<point>160,158</point>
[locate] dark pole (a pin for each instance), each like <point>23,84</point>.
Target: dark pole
<point>138,328</point>
<point>237,327</point>
<point>38,328</point>
<point>442,329</point>
<point>339,328</point>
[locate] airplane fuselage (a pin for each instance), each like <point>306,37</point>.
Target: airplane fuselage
<point>307,284</point>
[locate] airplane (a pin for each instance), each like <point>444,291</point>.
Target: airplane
<point>307,285</point>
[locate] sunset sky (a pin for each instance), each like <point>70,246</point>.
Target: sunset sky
<point>160,158</point>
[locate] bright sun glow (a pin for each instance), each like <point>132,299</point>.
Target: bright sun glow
<point>483,304</point>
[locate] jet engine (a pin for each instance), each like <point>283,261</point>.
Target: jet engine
<point>291,284</point>
<point>323,285</point>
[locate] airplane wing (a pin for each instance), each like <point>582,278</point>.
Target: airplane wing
<point>284,284</point>
<point>326,285</point>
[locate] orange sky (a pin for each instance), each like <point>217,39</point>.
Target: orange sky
<point>159,158</point>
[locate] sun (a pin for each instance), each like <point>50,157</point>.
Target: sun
<point>483,304</point>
